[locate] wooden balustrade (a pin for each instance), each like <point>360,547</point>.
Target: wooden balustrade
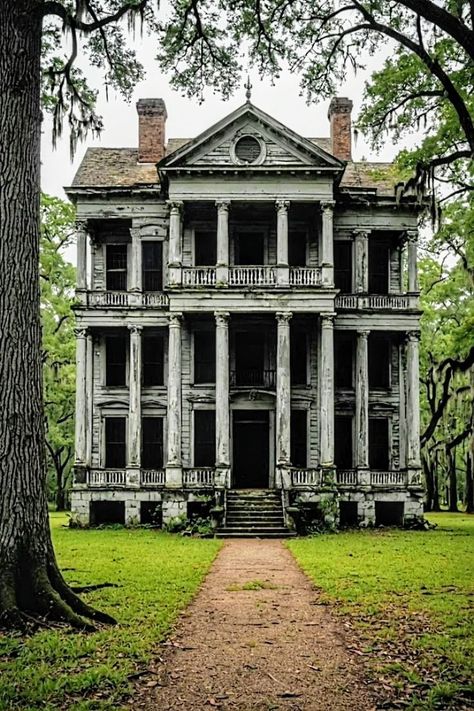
<point>305,276</point>
<point>106,477</point>
<point>306,477</point>
<point>120,299</point>
<point>378,302</point>
<point>152,477</point>
<point>388,478</point>
<point>252,276</point>
<point>199,276</point>
<point>346,477</point>
<point>202,476</point>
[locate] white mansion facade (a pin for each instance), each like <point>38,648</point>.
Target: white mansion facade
<point>247,319</point>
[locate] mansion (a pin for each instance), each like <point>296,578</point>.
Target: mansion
<point>247,329</point>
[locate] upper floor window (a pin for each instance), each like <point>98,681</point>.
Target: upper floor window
<point>379,361</point>
<point>298,357</point>
<point>116,349</point>
<point>379,264</point>
<point>152,266</point>
<point>115,442</point>
<point>378,443</point>
<point>116,267</point>
<point>249,248</point>
<point>343,359</point>
<point>153,358</point>
<point>296,248</point>
<point>204,438</point>
<point>204,357</point>
<point>343,441</point>
<point>205,248</point>
<point>152,443</point>
<point>343,266</point>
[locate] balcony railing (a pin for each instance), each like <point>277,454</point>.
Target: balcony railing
<point>120,299</point>
<point>306,477</point>
<point>378,302</point>
<point>202,476</point>
<point>152,477</point>
<point>253,377</point>
<point>346,477</point>
<point>106,477</point>
<point>252,276</point>
<point>305,276</point>
<point>388,478</point>
<point>199,276</point>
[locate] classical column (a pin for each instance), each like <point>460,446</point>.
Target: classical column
<point>362,400</point>
<point>134,409</point>
<point>413,401</point>
<point>89,395</point>
<point>81,398</point>
<point>283,271</point>
<point>135,281</point>
<point>327,391</point>
<point>412,237</point>
<point>283,397</point>
<point>174,463</point>
<point>327,247</point>
<point>361,243</point>
<point>222,266</point>
<point>222,398</point>
<point>175,255</point>
<point>81,244</point>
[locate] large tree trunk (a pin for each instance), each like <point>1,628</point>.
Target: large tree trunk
<point>428,470</point>
<point>30,582</point>
<point>453,480</point>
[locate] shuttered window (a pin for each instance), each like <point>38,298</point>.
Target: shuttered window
<point>115,455</point>
<point>343,266</point>
<point>152,443</point>
<point>152,266</point>
<point>153,359</point>
<point>116,267</point>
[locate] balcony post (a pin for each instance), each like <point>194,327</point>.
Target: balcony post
<point>362,401</point>
<point>81,463</point>
<point>283,398</point>
<point>174,471</point>
<point>361,243</point>
<point>222,266</point>
<point>175,253</point>
<point>327,246</point>
<point>222,399</point>
<point>413,408</point>
<point>412,237</point>
<point>327,392</point>
<point>135,281</point>
<point>134,408</point>
<point>81,245</point>
<point>283,270</point>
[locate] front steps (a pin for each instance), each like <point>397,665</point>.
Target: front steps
<point>254,513</point>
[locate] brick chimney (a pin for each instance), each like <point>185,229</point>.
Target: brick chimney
<point>152,117</point>
<point>339,115</point>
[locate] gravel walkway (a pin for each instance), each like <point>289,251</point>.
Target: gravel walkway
<point>255,639</point>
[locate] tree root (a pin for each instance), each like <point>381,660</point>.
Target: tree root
<point>91,588</point>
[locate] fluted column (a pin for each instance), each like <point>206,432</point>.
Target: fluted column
<point>361,243</point>
<point>81,403</point>
<point>362,400</point>
<point>413,403</point>
<point>81,245</point>
<point>135,281</point>
<point>327,392</point>
<point>174,463</point>
<point>283,270</point>
<point>134,408</point>
<point>412,249</point>
<point>222,267</point>
<point>222,399</point>
<point>327,246</point>
<point>283,397</point>
<point>175,252</point>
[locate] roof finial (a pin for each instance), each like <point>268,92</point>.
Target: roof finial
<point>248,88</point>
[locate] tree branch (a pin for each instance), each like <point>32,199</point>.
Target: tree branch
<point>55,8</point>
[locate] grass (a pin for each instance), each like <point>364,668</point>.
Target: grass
<point>251,585</point>
<point>409,596</point>
<point>157,575</point>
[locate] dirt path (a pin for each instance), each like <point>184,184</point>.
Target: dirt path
<point>272,648</point>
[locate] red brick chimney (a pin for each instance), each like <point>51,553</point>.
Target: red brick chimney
<point>152,117</point>
<point>339,115</point>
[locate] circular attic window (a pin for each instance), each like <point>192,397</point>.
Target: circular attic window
<point>248,149</point>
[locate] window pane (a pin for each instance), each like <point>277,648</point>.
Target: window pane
<point>343,442</point>
<point>299,426</point>
<point>379,257</point>
<point>204,357</point>
<point>204,438</point>
<point>153,359</point>
<point>115,442</point>
<point>116,348</point>
<point>343,266</point>
<point>152,266</point>
<point>152,442</point>
<point>116,267</point>
<point>296,249</point>
<point>298,357</point>
<point>343,359</point>
<point>378,443</point>
<point>379,361</point>
<point>205,248</point>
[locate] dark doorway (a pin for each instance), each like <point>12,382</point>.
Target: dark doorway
<point>251,449</point>
<point>249,248</point>
<point>250,358</point>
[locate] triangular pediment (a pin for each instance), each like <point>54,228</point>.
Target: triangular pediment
<point>248,138</point>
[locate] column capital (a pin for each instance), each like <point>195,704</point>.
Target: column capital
<point>175,205</point>
<point>413,336</point>
<point>282,205</point>
<point>222,205</point>
<point>135,232</point>
<point>134,328</point>
<point>222,318</point>
<point>81,225</point>
<point>363,333</point>
<point>412,236</point>
<point>284,316</point>
<point>361,234</point>
<point>81,332</point>
<point>175,320</point>
<point>327,320</point>
<point>327,206</point>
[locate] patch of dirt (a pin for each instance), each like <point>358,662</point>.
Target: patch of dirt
<point>242,646</point>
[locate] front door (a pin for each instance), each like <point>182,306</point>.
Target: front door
<point>250,432</point>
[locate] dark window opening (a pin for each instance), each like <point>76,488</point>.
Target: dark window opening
<point>116,267</point>
<point>343,457</point>
<point>249,248</point>
<point>248,149</point>
<point>204,438</point>
<point>205,248</point>
<point>298,357</point>
<point>115,457</point>
<point>348,514</point>
<point>343,266</point>
<point>379,260</point>
<point>107,512</point>
<point>299,438</point>
<point>198,509</point>
<point>378,443</point>
<point>152,443</point>
<point>153,359</point>
<point>116,348</point>
<point>343,359</point>
<point>152,266</point>
<point>204,357</point>
<point>250,360</point>
<point>389,513</point>
<point>296,249</point>
<point>151,513</point>
<point>379,361</point>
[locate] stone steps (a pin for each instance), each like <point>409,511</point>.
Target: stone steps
<point>254,514</point>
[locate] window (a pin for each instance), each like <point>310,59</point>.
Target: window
<point>299,434</point>
<point>378,443</point>
<point>296,249</point>
<point>379,259</point>
<point>249,248</point>
<point>116,267</point>
<point>205,248</point>
<point>152,266</point>
<point>343,441</point>
<point>115,457</point>
<point>153,359</point>
<point>379,361</point>
<point>204,357</point>
<point>248,149</point>
<point>204,438</point>
<point>250,359</point>
<point>298,357</point>
<point>116,348</point>
<point>343,359</point>
<point>152,442</point>
<point>343,266</point>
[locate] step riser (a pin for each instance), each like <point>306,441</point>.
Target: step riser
<point>254,515</point>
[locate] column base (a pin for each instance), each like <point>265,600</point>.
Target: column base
<point>283,275</point>
<point>283,477</point>
<point>327,275</point>
<point>414,477</point>
<point>363,476</point>
<point>80,475</point>
<point>222,275</point>
<point>174,275</point>
<point>174,476</point>
<point>133,476</point>
<point>328,478</point>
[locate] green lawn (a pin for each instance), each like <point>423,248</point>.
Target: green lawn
<point>157,573</point>
<point>408,596</point>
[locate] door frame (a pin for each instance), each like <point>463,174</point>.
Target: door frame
<point>271,438</point>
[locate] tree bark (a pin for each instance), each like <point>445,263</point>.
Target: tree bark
<point>453,480</point>
<point>30,582</point>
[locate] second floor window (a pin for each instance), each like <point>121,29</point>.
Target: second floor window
<point>204,357</point>
<point>379,260</point>
<point>152,266</point>
<point>205,248</point>
<point>343,266</point>
<point>115,447</point>
<point>299,436</point>
<point>204,438</point>
<point>152,443</point>
<point>116,267</point>
<point>116,348</point>
<point>296,249</point>
<point>343,359</point>
<point>153,359</point>
<point>379,361</point>
<point>378,443</point>
<point>298,357</point>
<point>343,441</point>
<point>249,248</point>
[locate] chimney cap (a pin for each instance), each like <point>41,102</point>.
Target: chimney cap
<point>340,105</point>
<point>151,107</point>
